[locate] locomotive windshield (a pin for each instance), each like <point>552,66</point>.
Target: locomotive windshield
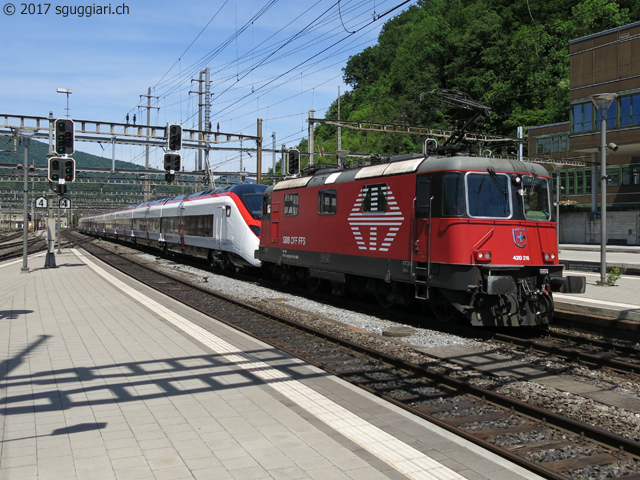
<point>536,199</point>
<point>251,196</point>
<point>488,195</point>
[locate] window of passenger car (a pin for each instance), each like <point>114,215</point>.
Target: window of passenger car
<point>375,198</point>
<point>328,201</point>
<point>291,204</point>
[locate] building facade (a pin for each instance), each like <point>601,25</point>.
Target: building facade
<point>606,62</point>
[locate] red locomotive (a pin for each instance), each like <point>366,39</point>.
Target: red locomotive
<point>473,237</point>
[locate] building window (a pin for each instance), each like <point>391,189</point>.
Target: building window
<point>611,116</point>
<point>630,110</point>
<point>579,181</point>
<point>552,143</point>
<point>582,117</point>
<point>291,204</point>
<point>560,143</point>
<point>543,146</point>
<point>328,201</point>
<point>570,182</point>
<point>614,176</point>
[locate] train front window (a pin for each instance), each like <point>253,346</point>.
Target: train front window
<point>536,199</point>
<point>488,195</point>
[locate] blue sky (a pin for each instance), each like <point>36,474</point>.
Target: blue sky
<point>269,59</point>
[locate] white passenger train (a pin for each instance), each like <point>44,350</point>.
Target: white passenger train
<point>221,225</point>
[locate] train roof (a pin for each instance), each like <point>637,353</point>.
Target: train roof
<point>241,190</point>
<point>412,163</point>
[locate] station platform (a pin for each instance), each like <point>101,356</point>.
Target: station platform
<point>104,378</point>
<point>619,303</point>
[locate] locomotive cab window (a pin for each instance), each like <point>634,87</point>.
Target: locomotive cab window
<point>453,201</point>
<point>488,194</point>
<point>328,201</point>
<point>374,198</point>
<point>291,204</point>
<point>536,198</point>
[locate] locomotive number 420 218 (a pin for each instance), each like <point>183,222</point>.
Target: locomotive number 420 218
<point>517,258</point>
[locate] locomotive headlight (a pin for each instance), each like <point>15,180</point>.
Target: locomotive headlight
<point>516,179</point>
<point>549,256</point>
<point>482,256</point>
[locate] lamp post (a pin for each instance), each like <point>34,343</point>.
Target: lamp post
<point>68,92</point>
<point>25,133</point>
<point>602,102</point>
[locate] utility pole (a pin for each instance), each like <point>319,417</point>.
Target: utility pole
<point>273,154</point>
<point>259,153</point>
<point>204,108</point>
<point>148,96</point>
<point>311,113</point>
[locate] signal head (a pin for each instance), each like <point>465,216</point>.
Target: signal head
<point>64,136</point>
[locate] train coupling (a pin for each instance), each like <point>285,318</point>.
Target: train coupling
<point>571,284</point>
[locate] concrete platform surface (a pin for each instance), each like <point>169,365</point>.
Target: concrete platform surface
<point>104,378</point>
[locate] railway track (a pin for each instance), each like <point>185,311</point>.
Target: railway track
<point>591,352</point>
<point>12,248</point>
<point>550,444</point>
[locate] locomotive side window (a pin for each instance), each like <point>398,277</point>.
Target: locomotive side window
<point>537,202</point>
<point>375,198</point>
<point>328,201</point>
<point>266,207</point>
<point>453,203</point>
<point>423,196</point>
<point>291,204</point>
<point>488,195</point>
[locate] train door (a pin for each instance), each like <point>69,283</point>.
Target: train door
<point>275,222</point>
<point>181,226</point>
<point>220,220</point>
<point>421,240</point>
<point>424,204</point>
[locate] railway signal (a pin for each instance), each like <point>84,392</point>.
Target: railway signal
<point>64,135</point>
<point>61,169</point>
<point>54,172</point>
<point>293,161</point>
<point>69,169</point>
<point>171,165</point>
<point>174,137</point>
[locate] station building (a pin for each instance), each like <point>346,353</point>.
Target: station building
<point>605,62</point>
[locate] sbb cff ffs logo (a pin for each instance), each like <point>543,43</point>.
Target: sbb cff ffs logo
<point>64,135</point>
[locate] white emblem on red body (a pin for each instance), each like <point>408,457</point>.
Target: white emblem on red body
<point>369,227</point>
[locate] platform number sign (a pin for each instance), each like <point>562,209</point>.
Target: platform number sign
<point>64,203</point>
<point>41,202</point>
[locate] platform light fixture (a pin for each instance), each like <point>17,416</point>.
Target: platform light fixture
<point>68,92</point>
<point>602,102</point>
